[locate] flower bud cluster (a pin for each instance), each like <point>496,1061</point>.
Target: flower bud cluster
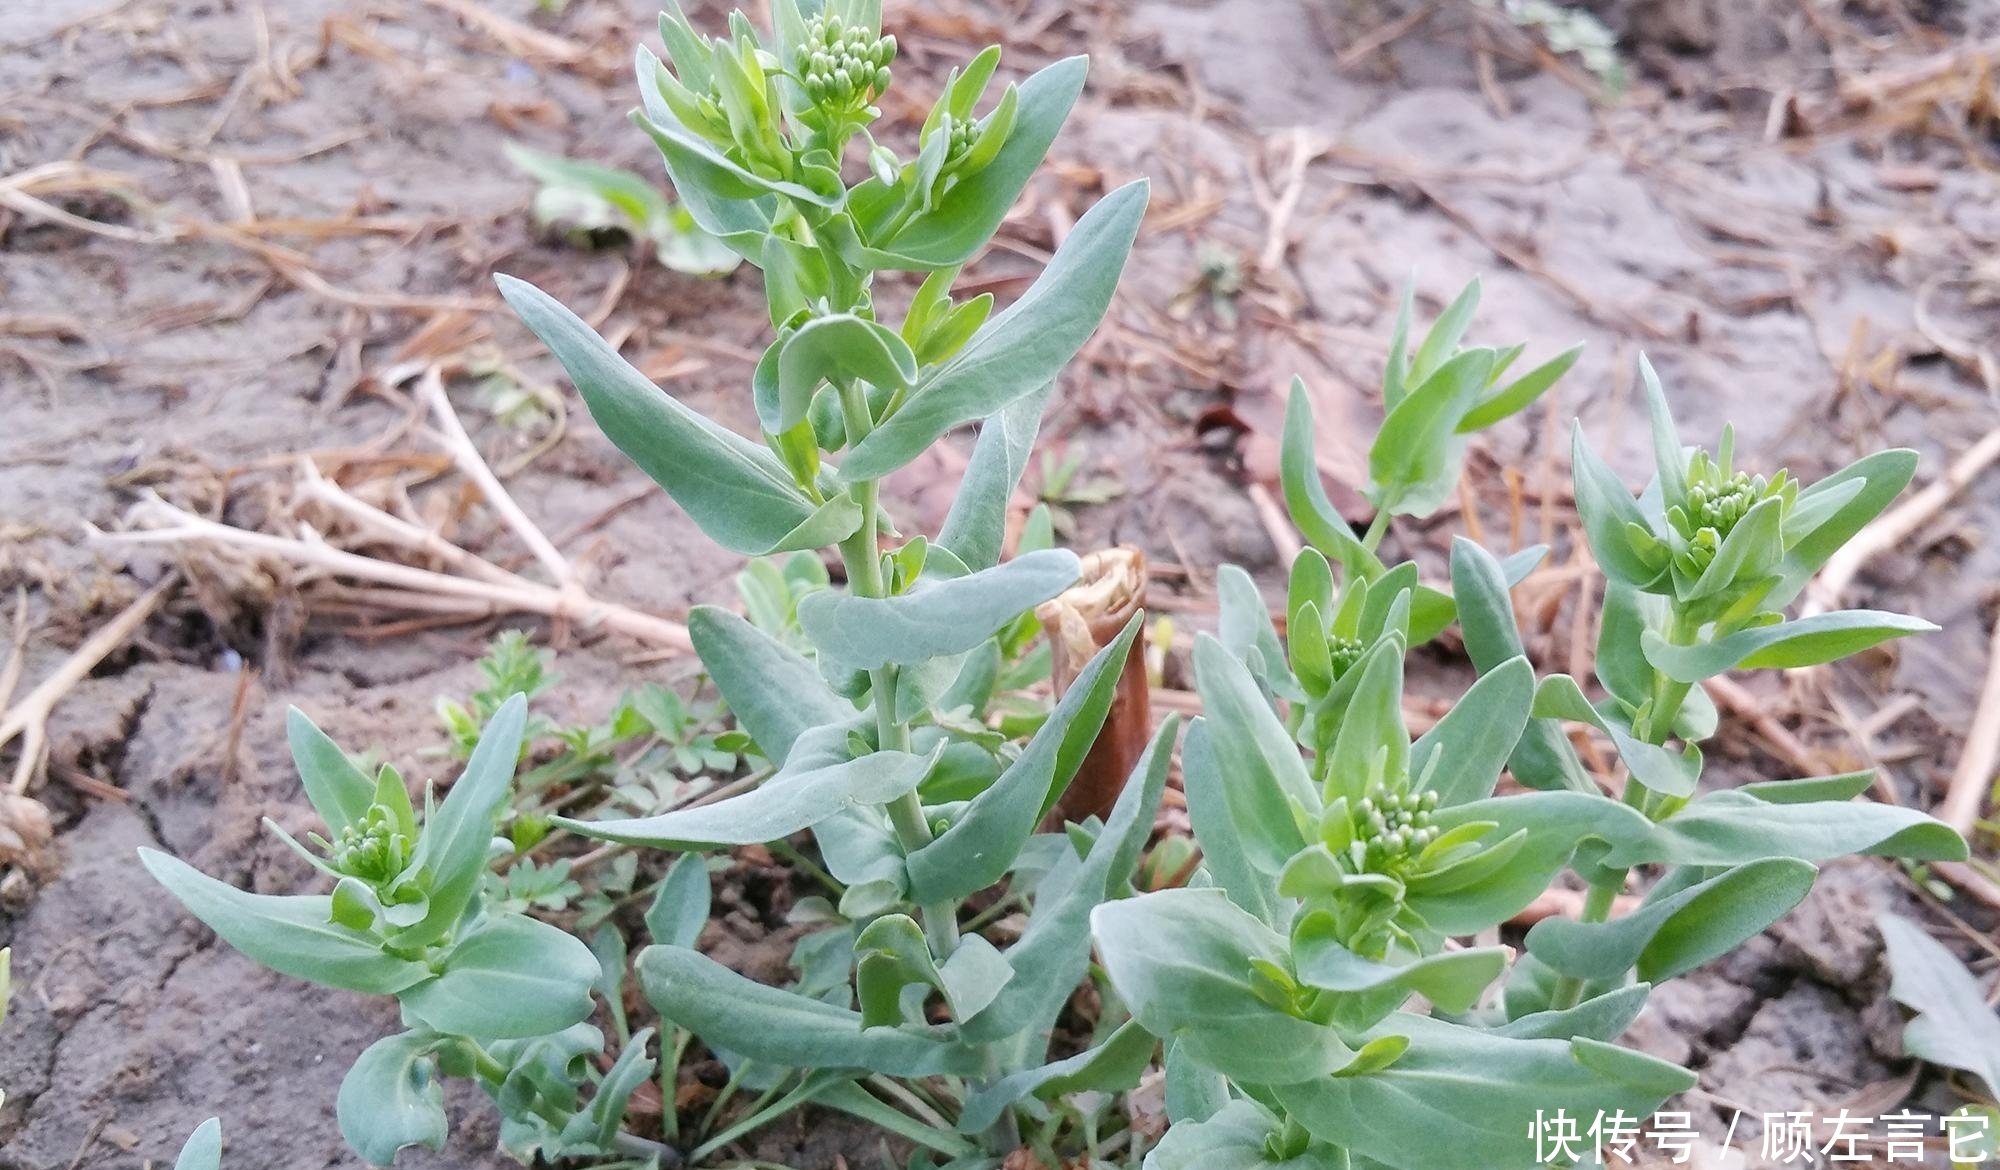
<point>374,848</point>
<point>1344,653</point>
<point>1394,825</point>
<point>843,68</point>
<point>1715,503</point>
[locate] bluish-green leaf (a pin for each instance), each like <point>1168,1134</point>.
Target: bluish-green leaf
<point>1544,758</point>
<point>512,977</point>
<point>738,493</point>
<point>203,1149</point>
<point>680,909</point>
<point>1479,733</point>
<point>1554,824</point>
<point>1267,774</point>
<point>977,522</point>
<point>787,1030</point>
<point>1054,952</point>
<point>1658,768</point>
<point>1678,928</point>
<point>817,783</point>
<point>976,851</point>
<point>1182,962</point>
<point>774,693</point>
<point>1884,475</point>
<point>935,618</point>
<point>1111,1067</point>
<point>453,845</point>
<point>1238,1137</point>
<point>1305,497</point>
<point>1604,1017</point>
<point>291,935</point>
<point>839,347</point>
<point>1476,1095</point>
<point>1730,828</point>
<point>1605,507</point>
<point>1414,450</point>
<point>1519,394</point>
<point>393,1097</point>
<point>967,216</point>
<point>1955,1026</point>
<point>1808,641</point>
<point>1451,980</point>
<point>1223,853</point>
<point>339,791</point>
<point>1020,350</point>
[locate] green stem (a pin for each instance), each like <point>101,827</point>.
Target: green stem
<point>1656,727</point>
<point>862,555</point>
<point>1377,529</point>
<point>1597,906</point>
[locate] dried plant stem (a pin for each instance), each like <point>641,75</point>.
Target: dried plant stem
<point>1896,525</point>
<point>179,526</point>
<point>30,718</point>
<point>1973,780</point>
<point>430,386</point>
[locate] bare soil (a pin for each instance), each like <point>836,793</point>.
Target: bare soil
<point>1821,275</point>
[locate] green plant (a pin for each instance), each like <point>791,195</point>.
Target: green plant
<point>1341,860</point>
<point>916,803</point>
<point>486,993</point>
<point>1954,1027</point>
<point>882,705</point>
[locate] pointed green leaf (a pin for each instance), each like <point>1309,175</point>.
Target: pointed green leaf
<point>453,846</point>
<point>740,495</point>
<point>291,935</point>
<point>1808,641</point>
<point>1020,350</point>
<point>775,694</point>
<point>977,522</point>
<point>1605,508</point>
<point>1267,775</point>
<point>1680,926</point>
<point>935,618</point>
<point>982,843</point>
<point>1477,735</point>
<point>1054,952</point>
<point>340,792</point>
<point>1519,394</point>
<point>816,783</point>
<point>1954,1026</point>
<point>1730,828</point>
<point>787,1030</point>
<point>967,216</point>
<point>1305,497</point>
<point>1477,1094</point>
<point>680,909</point>
<point>1181,960</point>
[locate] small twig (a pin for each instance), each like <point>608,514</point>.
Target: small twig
<point>30,718</point>
<point>473,466</point>
<point>1972,782</point>
<point>1277,525</point>
<point>1896,525</point>
<point>182,526</point>
<point>17,655</point>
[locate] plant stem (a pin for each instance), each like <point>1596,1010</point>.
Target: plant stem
<point>863,557</point>
<point>1377,529</point>
<point>1655,728</point>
